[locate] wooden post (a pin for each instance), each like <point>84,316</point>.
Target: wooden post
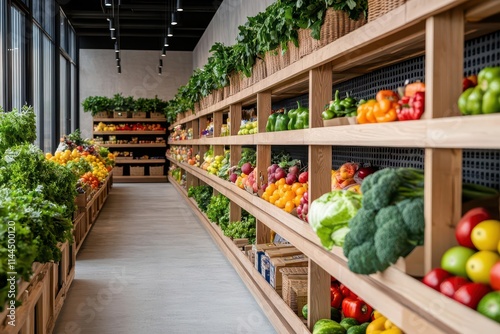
<point>320,164</point>
<point>443,167</point>
<point>235,117</point>
<point>218,117</point>
<point>203,122</point>
<point>264,109</point>
<point>234,158</point>
<point>263,233</point>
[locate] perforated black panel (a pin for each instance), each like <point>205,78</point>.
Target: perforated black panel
<point>482,52</point>
<point>378,156</point>
<point>482,167</point>
<point>292,102</point>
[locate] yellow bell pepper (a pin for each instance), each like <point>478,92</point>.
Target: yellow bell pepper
<point>393,330</point>
<point>365,112</point>
<point>385,110</point>
<point>376,325</point>
<point>377,314</point>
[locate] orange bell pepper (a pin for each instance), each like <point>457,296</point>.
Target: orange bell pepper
<point>385,108</point>
<point>365,112</point>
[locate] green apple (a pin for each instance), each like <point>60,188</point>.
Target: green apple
<point>478,266</point>
<point>249,126</point>
<point>489,306</point>
<point>486,235</point>
<point>455,259</point>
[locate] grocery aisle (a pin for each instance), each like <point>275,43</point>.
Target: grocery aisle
<point>148,266</point>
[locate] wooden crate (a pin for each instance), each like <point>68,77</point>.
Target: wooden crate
<point>157,115</point>
<point>290,275</point>
<point>139,114</point>
<point>275,277</point>
<point>120,114</point>
<point>136,170</point>
<point>118,170</point>
<point>156,170</point>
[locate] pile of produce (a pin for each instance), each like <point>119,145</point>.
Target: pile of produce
<point>470,272</point>
<point>201,195</point>
<point>483,98</point>
<point>218,211</point>
<point>240,174</point>
<point>248,128</point>
<point>36,197</point>
<point>340,107</point>
<point>129,127</point>
<point>245,228</point>
<point>294,119</point>
<point>350,176</point>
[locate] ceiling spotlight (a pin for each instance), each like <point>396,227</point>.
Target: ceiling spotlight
<point>117,56</point>
<point>108,3</point>
<point>159,70</point>
<point>170,31</point>
<point>161,62</point>
<point>174,18</point>
<point>119,69</point>
<point>166,41</point>
<point>111,24</point>
<point>163,51</point>
<point>113,34</point>
<point>179,6</point>
<point>118,61</point>
<point>117,49</point>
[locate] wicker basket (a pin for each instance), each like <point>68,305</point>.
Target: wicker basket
<point>378,8</point>
<point>136,170</point>
<point>272,61</point>
<point>259,71</point>
<point>245,82</point>
<point>102,114</point>
<point>299,293</point>
<point>293,52</point>
<point>227,92</point>
<point>307,44</point>
<point>337,24</point>
<point>284,57</point>
<point>139,114</point>
<point>118,171</point>
<point>155,170</point>
<point>234,83</point>
<point>290,275</point>
<point>196,107</point>
<point>157,115</point>
<point>120,114</point>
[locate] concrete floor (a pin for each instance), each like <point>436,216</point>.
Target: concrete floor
<point>148,266</point>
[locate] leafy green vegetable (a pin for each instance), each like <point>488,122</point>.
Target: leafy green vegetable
<point>202,196</point>
<point>331,212</point>
<point>17,127</point>
<point>245,228</point>
<point>96,104</point>
<point>218,210</point>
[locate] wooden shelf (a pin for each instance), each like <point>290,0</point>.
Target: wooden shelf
<point>134,145</point>
<point>140,161</point>
<point>131,120</point>
<point>139,179</point>
<point>120,132</point>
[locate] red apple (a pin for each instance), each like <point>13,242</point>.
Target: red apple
<point>435,277</point>
<point>450,285</point>
<point>469,220</point>
<point>495,276</point>
<point>294,170</point>
<point>470,294</point>
<point>303,177</point>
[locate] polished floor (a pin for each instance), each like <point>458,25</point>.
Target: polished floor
<point>149,267</point>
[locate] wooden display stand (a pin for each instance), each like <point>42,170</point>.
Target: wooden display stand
<point>435,28</point>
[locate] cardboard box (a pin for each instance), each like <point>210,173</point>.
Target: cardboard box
<point>260,250</point>
<point>275,276</point>
<point>282,252</point>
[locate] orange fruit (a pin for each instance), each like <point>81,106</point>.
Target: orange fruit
<point>296,200</point>
<point>273,199</point>
<point>281,181</point>
<point>296,186</point>
<point>265,196</point>
<point>289,195</point>
<point>280,203</point>
<point>289,206</point>
<point>271,188</point>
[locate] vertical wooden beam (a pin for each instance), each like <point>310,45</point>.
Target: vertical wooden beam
<point>443,167</point>
<point>202,125</point>
<point>263,233</point>
<point>264,109</point>
<point>196,129</point>
<point>320,164</point>
<point>234,158</point>
<point>218,119</point>
<point>235,118</point>
<point>320,93</point>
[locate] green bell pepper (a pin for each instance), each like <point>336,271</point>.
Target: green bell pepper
<point>302,117</point>
<point>327,114</point>
<point>271,122</point>
<point>292,119</point>
<point>485,97</point>
<point>281,122</point>
<point>336,105</point>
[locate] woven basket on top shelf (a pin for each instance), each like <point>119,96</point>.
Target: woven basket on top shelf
<point>378,8</point>
<point>293,53</point>
<point>227,92</point>
<point>272,61</point>
<point>337,24</point>
<point>307,44</point>
<point>259,71</point>
<point>136,170</point>
<point>234,83</point>
<point>139,114</point>
<point>155,170</point>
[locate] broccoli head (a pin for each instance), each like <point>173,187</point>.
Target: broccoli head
<point>363,226</point>
<point>412,211</point>
<point>388,214</point>
<point>349,244</point>
<point>363,260</point>
<point>391,242</point>
<point>381,193</point>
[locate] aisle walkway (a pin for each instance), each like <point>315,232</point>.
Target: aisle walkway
<point>149,267</point>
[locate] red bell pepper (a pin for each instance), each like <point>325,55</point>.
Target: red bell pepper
<point>357,309</point>
<point>336,296</point>
<point>346,292</point>
<point>411,108</point>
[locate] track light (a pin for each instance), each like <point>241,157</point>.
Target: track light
<point>117,56</point>
<point>111,24</point>
<point>113,34</point>
<point>163,51</point>
<point>170,31</point>
<point>117,49</point>
<point>174,19</point>
<point>118,62</point>
<point>165,43</point>
<point>159,70</point>
<point>179,6</point>
<point>119,69</point>
<point>108,3</point>
<point>161,63</point>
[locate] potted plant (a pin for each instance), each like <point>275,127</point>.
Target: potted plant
<point>156,107</point>
<point>98,106</point>
<point>121,105</point>
<point>140,108</point>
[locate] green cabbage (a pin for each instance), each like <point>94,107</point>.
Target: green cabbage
<point>330,214</point>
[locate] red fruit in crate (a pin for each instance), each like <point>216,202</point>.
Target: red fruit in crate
<point>291,179</point>
<point>365,171</point>
<point>336,296</point>
<point>469,220</point>
<point>233,177</point>
<point>304,177</point>
<point>346,292</point>
<point>470,294</point>
<point>279,173</point>
<point>294,170</point>
<point>435,277</point>
<point>450,285</point>
<point>495,276</point>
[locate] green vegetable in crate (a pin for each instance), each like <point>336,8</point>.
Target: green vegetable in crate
<point>302,117</point>
<point>391,222</point>
<point>281,122</point>
<point>292,118</point>
<point>485,97</point>
<point>327,326</point>
<point>271,122</point>
<point>361,329</point>
<point>330,214</point>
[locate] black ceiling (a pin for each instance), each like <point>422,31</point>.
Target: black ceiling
<point>141,23</point>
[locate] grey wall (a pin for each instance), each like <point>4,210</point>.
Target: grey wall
<point>139,77</point>
<point>224,26</point>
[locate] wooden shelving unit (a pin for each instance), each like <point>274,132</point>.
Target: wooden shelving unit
<point>435,28</point>
<point>136,150</point>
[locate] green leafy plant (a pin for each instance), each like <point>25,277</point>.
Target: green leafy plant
<point>96,104</point>
<point>141,104</point>
<point>202,195</point>
<point>218,210</point>
<point>121,103</point>
<point>17,127</point>
<point>244,228</point>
